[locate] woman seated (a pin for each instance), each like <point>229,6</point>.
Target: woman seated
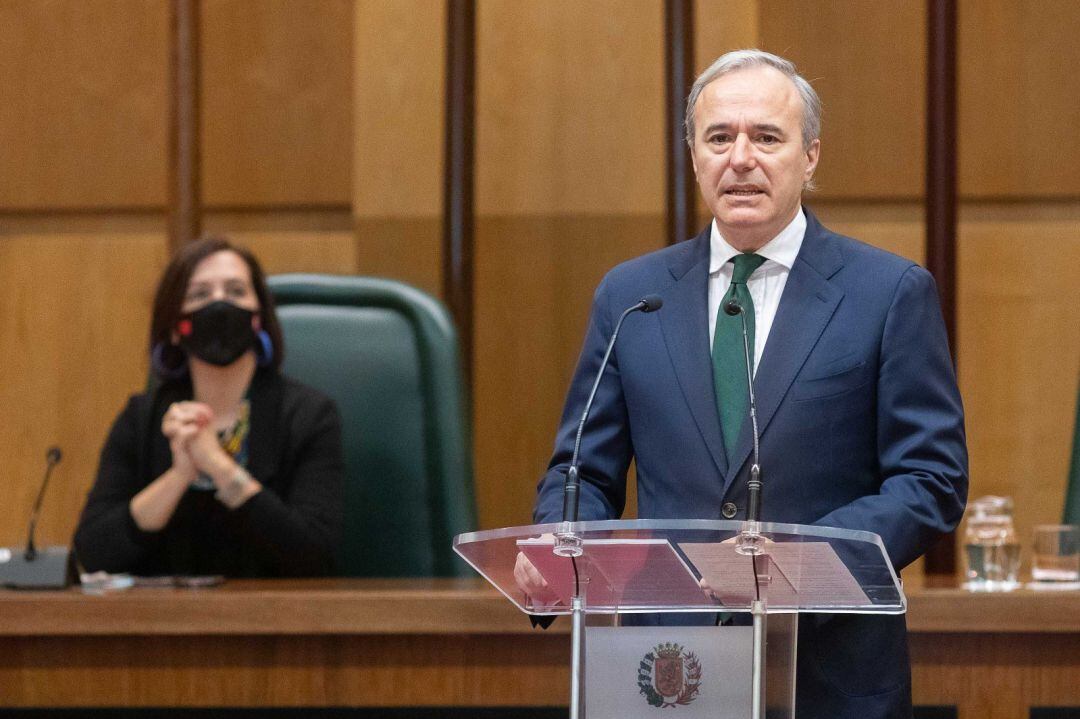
<point>225,467</point>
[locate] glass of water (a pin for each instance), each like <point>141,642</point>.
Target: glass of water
<point>1056,553</point>
<point>993,552</point>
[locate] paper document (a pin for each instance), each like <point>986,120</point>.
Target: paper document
<point>617,573</point>
<point>796,574</point>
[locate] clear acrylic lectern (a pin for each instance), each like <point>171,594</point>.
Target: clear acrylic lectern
<point>685,566</point>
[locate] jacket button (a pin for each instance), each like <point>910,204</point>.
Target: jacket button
<point>729,510</point>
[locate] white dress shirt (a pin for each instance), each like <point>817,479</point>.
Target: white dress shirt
<point>766,285</point>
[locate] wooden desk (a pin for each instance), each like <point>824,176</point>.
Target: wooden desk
<point>445,643</point>
<point>995,655</point>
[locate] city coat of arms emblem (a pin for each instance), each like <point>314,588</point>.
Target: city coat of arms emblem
<point>669,676</point>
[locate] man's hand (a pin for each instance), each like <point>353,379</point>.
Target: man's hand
<point>529,579</point>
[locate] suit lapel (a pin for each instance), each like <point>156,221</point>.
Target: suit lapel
<point>685,324</point>
<point>808,303</point>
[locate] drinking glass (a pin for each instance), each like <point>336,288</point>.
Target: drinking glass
<point>993,552</point>
<point>1056,555</point>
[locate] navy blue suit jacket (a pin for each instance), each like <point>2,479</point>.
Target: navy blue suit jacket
<point>860,418</point>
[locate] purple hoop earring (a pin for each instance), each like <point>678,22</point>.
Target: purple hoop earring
<point>264,351</point>
<point>161,365</point>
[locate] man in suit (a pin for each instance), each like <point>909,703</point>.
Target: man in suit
<point>860,417</point>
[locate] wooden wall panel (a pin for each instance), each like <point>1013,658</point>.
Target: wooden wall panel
<point>569,108</point>
<point>721,26</point>
<point>570,181</point>
<point>83,111</point>
<point>896,227</point>
<point>1018,105</point>
<point>277,102</point>
<point>407,250</point>
<point>292,240</point>
<point>398,90</point>
<point>867,62</point>
<point>74,315</point>
<point>398,139</point>
<point>298,251</point>
<point>1019,338</point>
<point>534,288</point>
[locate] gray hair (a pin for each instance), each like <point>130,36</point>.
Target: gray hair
<point>744,59</point>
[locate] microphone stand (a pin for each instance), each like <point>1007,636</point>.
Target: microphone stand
<point>750,542</point>
<point>52,458</point>
<point>567,542</point>
<point>34,567</point>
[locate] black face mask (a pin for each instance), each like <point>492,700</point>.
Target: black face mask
<point>218,333</point>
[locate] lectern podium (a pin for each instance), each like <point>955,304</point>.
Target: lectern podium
<point>633,567</point>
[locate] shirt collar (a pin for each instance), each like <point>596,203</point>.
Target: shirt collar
<point>782,249</point>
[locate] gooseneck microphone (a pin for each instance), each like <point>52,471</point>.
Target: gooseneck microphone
<point>753,486</point>
<point>52,458</point>
<point>572,485</point>
<point>34,568</point>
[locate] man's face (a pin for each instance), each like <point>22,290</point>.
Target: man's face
<point>748,154</point>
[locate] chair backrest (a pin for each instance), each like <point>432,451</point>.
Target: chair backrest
<point>387,354</point>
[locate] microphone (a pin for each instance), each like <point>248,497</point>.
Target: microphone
<point>569,545</point>
<point>52,458</point>
<point>650,303</point>
<point>749,541</point>
<point>49,568</point>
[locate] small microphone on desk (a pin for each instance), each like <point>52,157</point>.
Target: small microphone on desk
<point>31,569</point>
<point>750,541</point>
<point>569,545</point>
<point>52,458</point>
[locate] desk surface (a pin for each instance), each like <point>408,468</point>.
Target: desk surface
<point>443,643</point>
<point>425,606</point>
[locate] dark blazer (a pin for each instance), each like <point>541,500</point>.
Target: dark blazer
<point>291,528</point>
<point>860,418</point>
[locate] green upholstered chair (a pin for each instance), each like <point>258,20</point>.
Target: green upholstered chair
<point>387,353</point>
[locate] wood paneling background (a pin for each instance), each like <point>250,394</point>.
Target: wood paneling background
<point>74,317</point>
<point>323,150</point>
<point>1018,104</point>
<point>398,139</point>
<point>82,104</point>
<point>276,102</point>
<point>1019,327</point>
<point>867,62</point>
<point>569,182</point>
<point>554,139</point>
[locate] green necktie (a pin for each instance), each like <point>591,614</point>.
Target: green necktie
<point>729,363</point>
